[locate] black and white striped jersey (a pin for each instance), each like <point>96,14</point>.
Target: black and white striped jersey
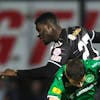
<point>69,47</point>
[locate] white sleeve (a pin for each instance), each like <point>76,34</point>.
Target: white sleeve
<point>93,35</point>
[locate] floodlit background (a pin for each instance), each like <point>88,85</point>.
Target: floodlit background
<point>20,47</point>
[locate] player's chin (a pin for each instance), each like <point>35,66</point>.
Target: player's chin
<point>46,42</point>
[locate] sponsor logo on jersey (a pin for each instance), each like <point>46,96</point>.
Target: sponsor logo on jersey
<point>74,34</point>
<point>85,89</point>
<point>57,51</point>
<point>55,56</point>
<point>56,90</point>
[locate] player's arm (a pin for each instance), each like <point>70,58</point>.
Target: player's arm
<point>54,63</point>
<point>42,72</point>
<point>94,35</point>
<point>45,71</point>
<point>94,65</point>
<point>57,87</point>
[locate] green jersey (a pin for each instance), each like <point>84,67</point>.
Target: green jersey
<point>62,89</point>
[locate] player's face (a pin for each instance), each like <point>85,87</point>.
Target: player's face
<point>77,83</point>
<point>45,33</point>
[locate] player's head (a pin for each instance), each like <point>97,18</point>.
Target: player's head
<point>75,72</point>
<point>47,27</point>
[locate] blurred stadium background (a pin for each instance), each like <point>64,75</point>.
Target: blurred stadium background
<point>20,47</point>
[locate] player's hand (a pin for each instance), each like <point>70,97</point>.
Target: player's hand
<point>8,73</point>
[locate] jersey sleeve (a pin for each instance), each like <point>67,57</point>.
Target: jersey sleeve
<point>91,33</point>
<point>94,36</point>
<point>57,87</point>
<point>94,65</point>
<point>46,71</point>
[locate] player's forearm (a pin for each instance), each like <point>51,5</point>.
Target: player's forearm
<point>47,71</point>
<point>32,73</point>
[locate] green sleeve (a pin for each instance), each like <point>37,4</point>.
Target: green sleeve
<point>94,65</point>
<point>57,87</point>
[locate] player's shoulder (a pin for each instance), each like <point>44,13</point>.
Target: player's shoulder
<point>73,32</point>
<point>60,72</point>
<point>90,63</point>
<point>72,28</point>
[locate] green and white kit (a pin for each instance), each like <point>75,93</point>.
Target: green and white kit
<point>62,89</point>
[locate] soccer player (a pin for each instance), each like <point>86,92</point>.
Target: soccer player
<point>71,42</point>
<point>75,80</point>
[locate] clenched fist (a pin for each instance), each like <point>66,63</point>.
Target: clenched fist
<point>8,72</point>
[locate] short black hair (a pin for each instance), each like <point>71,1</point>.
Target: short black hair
<point>46,17</point>
<point>75,69</point>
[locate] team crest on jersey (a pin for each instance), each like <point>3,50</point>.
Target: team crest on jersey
<point>90,78</point>
<point>56,90</point>
<point>74,34</point>
<point>56,55</point>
